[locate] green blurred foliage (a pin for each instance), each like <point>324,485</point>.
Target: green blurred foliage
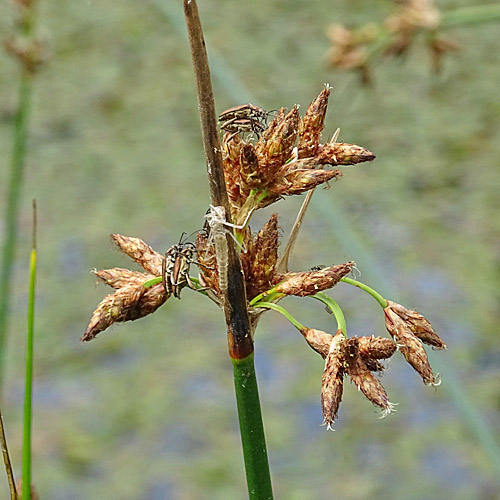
<point>146,411</point>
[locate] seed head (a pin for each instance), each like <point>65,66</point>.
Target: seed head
<point>318,340</point>
<point>128,303</point>
<point>312,124</point>
<point>139,252</point>
<point>132,300</point>
<point>342,153</point>
<point>311,282</point>
<point>259,260</point>
<point>118,277</point>
<point>332,381</point>
<point>409,344</point>
<point>418,325</point>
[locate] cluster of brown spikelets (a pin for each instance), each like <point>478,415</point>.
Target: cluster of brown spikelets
<point>287,159</point>
<point>359,357</point>
<point>352,49</point>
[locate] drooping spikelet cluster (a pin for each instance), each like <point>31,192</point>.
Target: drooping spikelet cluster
<point>359,357</point>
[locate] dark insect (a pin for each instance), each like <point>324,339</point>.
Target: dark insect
<point>175,267</point>
<point>244,118</point>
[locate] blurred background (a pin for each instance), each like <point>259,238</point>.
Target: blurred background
<point>146,411</point>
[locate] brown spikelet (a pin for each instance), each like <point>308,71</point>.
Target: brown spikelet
<point>140,252</point>
<point>118,277</point>
<point>277,149</point>
<point>300,180</point>
<point>376,347</point>
<point>342,153</point>
<point>368,384</point>
<point>410,346</point>
<point>312,124</point>
<point>231,155</point>
<point>259,260</point>
<point>207,262</point>
<point>311,282</point>
<point>418,325</point>
<point>269,132</point>
<point>332,381</point>
<point>128,303</point>
<point>249,167</point>
<point>318,340</point>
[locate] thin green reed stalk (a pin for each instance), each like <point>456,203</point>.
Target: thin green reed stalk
<point>28,390</point>
<point>18,161</point>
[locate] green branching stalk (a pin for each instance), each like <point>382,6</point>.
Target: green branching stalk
<point>28,388</point>
<point>6,460</point>
<point>335,308</point>
<point>252,429</point>
<point>283,311</point>
<point>381,300</point>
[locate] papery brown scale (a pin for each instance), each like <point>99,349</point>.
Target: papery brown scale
<point>342,153</point>
<point>310,282</point>
<point>368,384</point>
<point>409,345</point>
<point>118,277</point>
<point>140,252</point>
<point>126,304</point>
<point>311,125</point>
<point>332,381</point>
<point>376,347</point>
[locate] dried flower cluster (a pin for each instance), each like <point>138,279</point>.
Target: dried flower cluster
<point>288,158</point>
<point>359,357</point>
<point>352,49</point>
<point>132,300</point>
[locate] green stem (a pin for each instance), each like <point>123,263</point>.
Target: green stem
<point>283,311</point>
<point>335,308</point>
<point>152,282</point>
<point>252,429</point>
<point>477,14</point>
<point>14,195</point>
<point>28,388</point>
<point>269,295</point>
<point>367,289</point>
